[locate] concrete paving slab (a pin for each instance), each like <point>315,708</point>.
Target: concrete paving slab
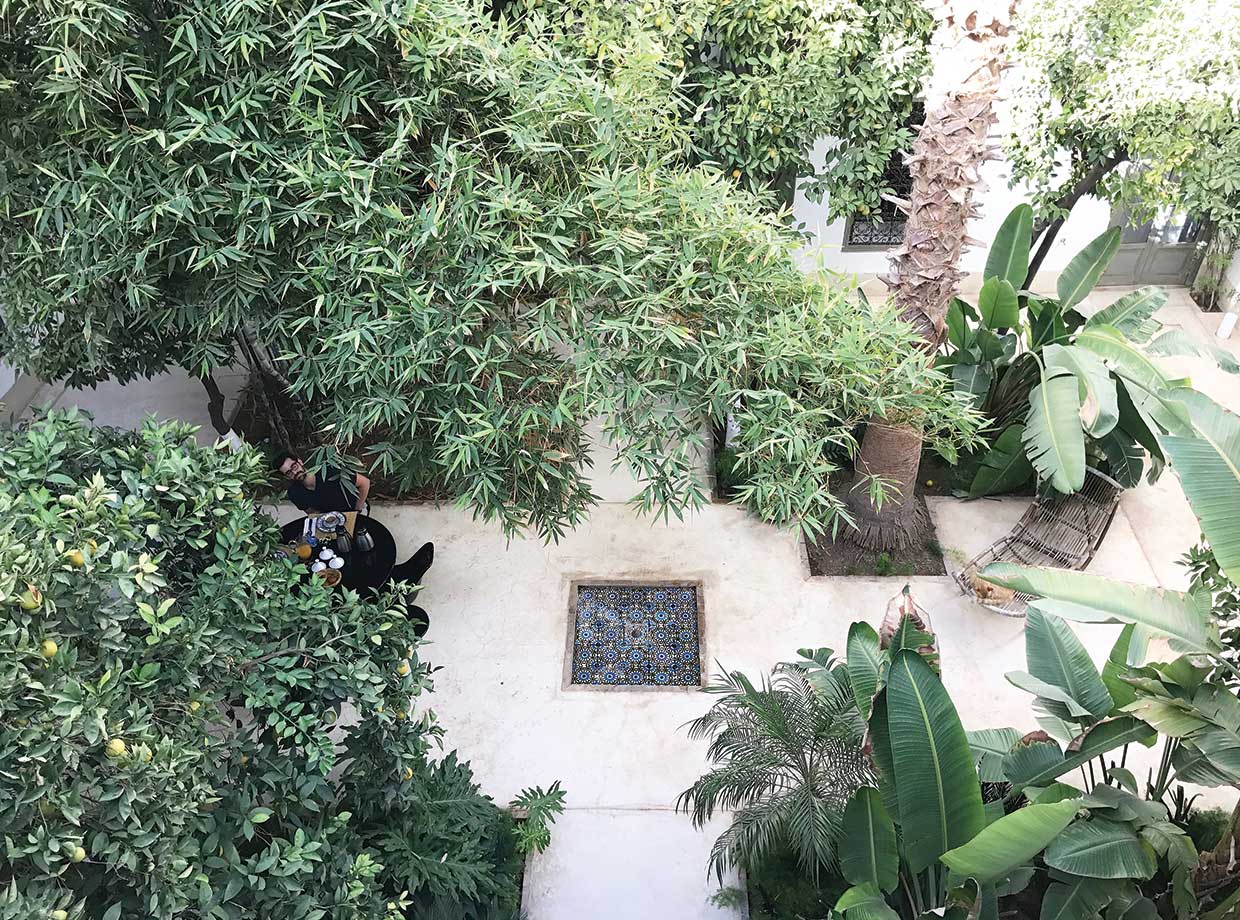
<point>626,865</point>
<point>170,395</point>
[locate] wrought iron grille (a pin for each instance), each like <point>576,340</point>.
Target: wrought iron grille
<point>884,227</point>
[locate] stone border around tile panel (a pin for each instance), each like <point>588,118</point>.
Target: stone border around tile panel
<point>566,678</point>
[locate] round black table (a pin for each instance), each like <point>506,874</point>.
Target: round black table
<point>363,572</point>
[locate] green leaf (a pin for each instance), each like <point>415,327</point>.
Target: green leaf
<point>1085,268</point>
<point>990,746</point>
<point>865,902</point>
<point>973,380</point>
<point>1004,467</point>
<point>1109,343</point>
<point>1036,765</point>
<point>940,798</point>
<point>1099,848</point>
<point>1125,457</point>
<point>1182,342</point>
<point>1093,599</point>
<point>1099,410</point>
<point>1053,437</point>
<point>864,663</point>
<point>868,849</point>
<point>958,332</point>
<point>884,762</point>
<point>1054,654</point>
<point>1116,666</point>
<point>1011,841</point>
<point>1075,899</point>
<point>1208,466</point>
<point>997,304</point>
<point>1132,314</point>
<point>1044,691</point>
<point>1009,253</point>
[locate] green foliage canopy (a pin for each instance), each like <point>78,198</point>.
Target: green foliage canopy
<point>461,242</point>
<point>1156,80</point>
<point>188,730</point>
<point>759,82</point>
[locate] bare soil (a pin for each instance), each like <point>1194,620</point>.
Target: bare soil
<point>841,557</point>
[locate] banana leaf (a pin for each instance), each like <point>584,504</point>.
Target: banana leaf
<point>990,746</point>
<point>1186,618</point>
<point>1075,898</point>
<point>1053,437</point>
<point>997,304</point>
<point>868,849</point>
<point>1054,654</point>
<point>1133,313</point>
<point>1009,253</point>
<point>1010,842</point>
<point>1125,457</point>
<point>865,902</point>
<point>1035,765</point>
<point>1180,342</point>
<point>1208,466</point>
<point>1086,267</point>
<point>1003,468</point>
<point>1100,848</point>
<point>864,664</point>
<point>936,780</point>
<point>973,379</point>
<point>1099,406</point>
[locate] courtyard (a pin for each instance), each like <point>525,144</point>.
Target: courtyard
<point>500,615</point>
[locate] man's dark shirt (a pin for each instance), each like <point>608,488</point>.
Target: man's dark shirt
<point>329,492</point>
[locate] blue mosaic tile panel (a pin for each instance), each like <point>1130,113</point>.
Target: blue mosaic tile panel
<point>640,635</point>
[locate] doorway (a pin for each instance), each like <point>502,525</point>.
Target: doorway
<point>1163,250</point>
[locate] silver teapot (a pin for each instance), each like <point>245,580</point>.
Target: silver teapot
<point>363,541</point>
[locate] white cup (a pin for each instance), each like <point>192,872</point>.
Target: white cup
<point>318,567</point>
<point>337,563</point>
<point>327,553</point>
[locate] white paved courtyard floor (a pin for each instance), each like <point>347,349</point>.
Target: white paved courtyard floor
<point>499,620</point>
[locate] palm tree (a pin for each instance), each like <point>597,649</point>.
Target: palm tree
<point>947,156</point>
<point>786,759</point>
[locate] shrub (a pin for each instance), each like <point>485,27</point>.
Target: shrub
<point>186,728</point>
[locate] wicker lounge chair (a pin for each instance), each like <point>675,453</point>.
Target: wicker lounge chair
<point>1062,531</point>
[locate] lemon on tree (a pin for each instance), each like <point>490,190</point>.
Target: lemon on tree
<point>116,748</point>
<point>77,854</point>
<point>31,598</point>
<point>59,915</point>
<point>403,668</point>
<point>48,649</point>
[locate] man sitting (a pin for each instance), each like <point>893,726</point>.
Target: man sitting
<point>324,490</point>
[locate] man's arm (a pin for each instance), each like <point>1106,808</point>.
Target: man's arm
<point>363,489</point>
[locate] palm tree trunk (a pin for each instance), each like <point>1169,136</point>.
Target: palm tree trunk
<point>947,157</point>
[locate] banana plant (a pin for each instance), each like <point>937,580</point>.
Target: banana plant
<point>1065,388</point>
<point>922,842</point>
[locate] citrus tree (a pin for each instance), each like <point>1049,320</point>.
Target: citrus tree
<point>758,82</point>
<point>448,244</point>
<point>1133,101</point>
<point>186,729</point>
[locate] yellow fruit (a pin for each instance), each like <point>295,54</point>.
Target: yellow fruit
<point>78,854</point>
<point>60,915</point>
<point>194,706</point>
<point>48,649</point>
<point>245,758</point>
<point>379,708</point>
<point>770,152</point>
<point>94,547</point>
<point>403,668</point>
<point>76,558</point>
<point>688,30</point>
<point>400,715</point>
<point>749,14</point>
<point>736,174</point>
<point>408,774</point>
<point>116,748</point>
<point>31,598</point>
<point>929,482</point>
<point>660,20</point>
<point>777,130</point>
